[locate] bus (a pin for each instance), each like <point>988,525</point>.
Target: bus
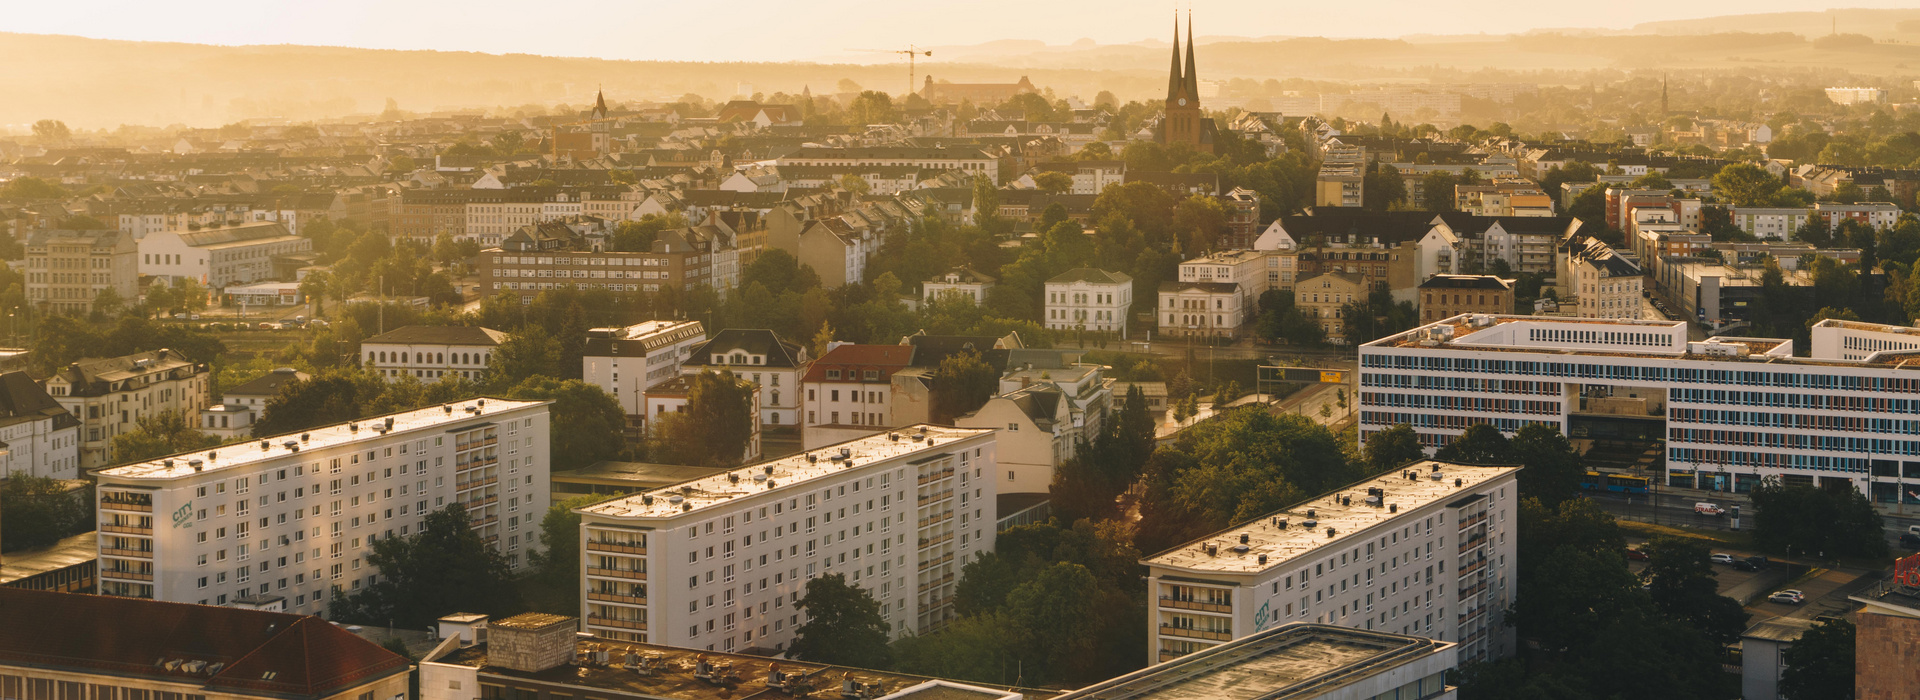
<point>1614,483</point>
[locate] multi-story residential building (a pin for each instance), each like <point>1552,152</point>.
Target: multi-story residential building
<point>836,242</point>
<point>42,438</point>
<point>428,353</point>
<point>676,394</point>
<point>294,516</point>
<point>962,282</point>
<point>1323,296</point>
<point>1731,410</point>
<point>1202,310</point>
<point>1245,269</point>
<point>1340,184</point>
<point>240,406</point>
<point>1446,296</point>
<point>1087,299</point>
<point>1043,415</point>
<point>1423,551</point>
<point>1243,219</point>
<point>109,396</point>
<point>652,352</point>
<point>67,270</point>
<point>529,273</point>
<point>849,392</point>
<point>421,215</point>
<point>220,257</point>
<point>972,161</point>
<point>747,542</point>
<point>1602,282</point>
<point>1879,215</point>
<point>1770,223</point>
<point>762,357</point>
<point>103,646</point>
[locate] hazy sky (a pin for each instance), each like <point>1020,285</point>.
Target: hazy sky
<point>785,29</point>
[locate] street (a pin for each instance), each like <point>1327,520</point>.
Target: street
<point>1677,509</point>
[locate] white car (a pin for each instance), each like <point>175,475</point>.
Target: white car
<point>1791,596</point>
<point>1721,558</point>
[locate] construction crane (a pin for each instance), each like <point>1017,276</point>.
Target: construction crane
<point>912,52</point>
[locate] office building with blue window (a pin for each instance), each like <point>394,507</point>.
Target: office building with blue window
<point>1731,411</point>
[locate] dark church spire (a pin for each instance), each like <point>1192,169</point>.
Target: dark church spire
<point>1175,84</point>
<point>1192,77</point>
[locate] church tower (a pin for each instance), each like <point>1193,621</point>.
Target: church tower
<point>1184,122</point>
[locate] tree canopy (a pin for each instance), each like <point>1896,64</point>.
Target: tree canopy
<point>442,568</point>
<point>842,625</point>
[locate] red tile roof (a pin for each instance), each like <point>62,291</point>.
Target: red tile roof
<point>248,652</point>
<point>886,359</point>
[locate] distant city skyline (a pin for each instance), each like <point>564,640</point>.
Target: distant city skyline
<point>763,30</point>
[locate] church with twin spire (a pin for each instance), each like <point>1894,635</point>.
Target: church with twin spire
<point>1184,122</point>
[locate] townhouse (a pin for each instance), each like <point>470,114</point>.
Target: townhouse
<point>849,392</point>
<point>109,396</point>
<point>1087,299</point>
<point>651,350</point>
<point>428,353</point>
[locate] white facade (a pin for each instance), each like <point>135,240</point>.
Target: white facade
<point>428,353</point>
<point>1732,410</point>
<point>1089,299</point>
<point>1770,223</point>
<point>651,353</point>
<point>1425,551</point>
<point>295,515</point>
<point>219,257</point>
<point>110,396</point>
<point>718,563</point>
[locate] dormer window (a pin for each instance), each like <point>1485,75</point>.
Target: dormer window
<point>833,374</point>
<point>739,359</point>
<point>872,375</point>
<point>719,359</point>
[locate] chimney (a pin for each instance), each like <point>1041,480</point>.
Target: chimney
<point>531,642</point>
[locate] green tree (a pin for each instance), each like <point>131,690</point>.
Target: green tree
<point>527,352</point>
<point>1552,470</point>
<point>1053,182</point>
<point>36,511</point>
<point>1684,587</point>
<point>960,385</point>
<point>976,648</point>
<point>1239,466</point>
<point>558,566</point>
<point>1820,665</point>
<point>1057,622</point>
<point>1746,185</point>
<point>52,130</point>
<point>325,399</point>
<point>843,626</point>
<point>1384,188</point>
<point>1392,448</point>
<point>1201,220</point>
<point>158,435</point>
<point>591,417</point>
<point>442,568</point>
<point>1810,521</point>
<point>715,428</point>
<point>872,107</point>
<point>1478,444</point>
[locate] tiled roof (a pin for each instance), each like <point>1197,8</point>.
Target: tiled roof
<point>1088,274</point>
<point>886,359</point>
<point>439,335</point>
<point>249,652</point>
<point>755,341</point>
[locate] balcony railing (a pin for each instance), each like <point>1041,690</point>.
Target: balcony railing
<point>476,483</point>
<point>617,573</point>
<point>930,563</point>
<point>128,507</point>
<point>615,598</point>
<point>924,587</point>
<point>932,519</point>
<point>125,575</point>
<point>597,546</point>
<point>136,553</point>
<point>616,622</point>
<point>1196,605</point>
<point>125,529</point>
<point>926,542</point>
<point>935,476</point>
<point>1191,633</point>
<point>932,497</point>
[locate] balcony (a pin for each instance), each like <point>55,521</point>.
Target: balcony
<point>476,483</point>
<point>483,522</point>
<point>933,497</point>
<point>930,563</point>
<point>1472,542</point>
<point>614,598</point>
<point>479,502</point>
<point>1171,631</point>
<point>126,529</point>
<point>135,553</point>
<point>926,542</point>
<point>617,547</point>
<point>932,519</point>
<point>617,573</point>
<point>1196,605</point>
<point>616,622</point>
<point>125,575</point>
<point>924,587</point>
<point>127,507</point>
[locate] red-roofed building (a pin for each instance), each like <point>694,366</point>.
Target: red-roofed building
<point>847,392</point>
<point>67,645</point>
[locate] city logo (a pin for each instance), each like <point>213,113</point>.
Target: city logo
<point>184,516</point>
<point>1262,616</point>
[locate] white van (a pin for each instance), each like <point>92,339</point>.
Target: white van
<point>1705,508</point>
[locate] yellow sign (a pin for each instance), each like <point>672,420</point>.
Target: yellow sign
<point>1333,377</point>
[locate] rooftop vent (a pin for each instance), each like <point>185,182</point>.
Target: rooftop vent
<point>305,436</point>
<point>1263,559</point>
<point>676,499</point>
<point>195,463</point>
<point>1331,532</point>
<point>1456,481</point>
<point>1393,507</point>
<point>264,444</point>
<point>1240,549</point>
<point>1309,522</point>
<point>1244,538</point>
<point>353,427</point>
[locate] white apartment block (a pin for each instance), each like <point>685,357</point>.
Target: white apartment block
<point>428,353</point>
<point>294,516</point>
<point>1879,215</point>
<point>1770,223</point>
<point>1731,410</point>
<point>651,351</point>
<point>109,396</point>
<point>897,514</point>
<point>1245,268</point>
<point>971,161</point>
<point>41,438</point>
<point>1424,551</point>
<point>220,257</point>
<point>1087,299</point>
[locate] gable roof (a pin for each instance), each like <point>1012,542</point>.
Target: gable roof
<point>753,341</point>
<point>253,652</point>
<point>440,335</point>
<point>1089,274</point>
<point>886,359</point>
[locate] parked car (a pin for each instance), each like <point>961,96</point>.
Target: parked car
<point>1705,508</point>
<point>318,323</point>
<point>1909,540</point>
<point>1790,596</point>
<point>1750,564</point>
<point>1636,554</point>
<point>1721,559</point>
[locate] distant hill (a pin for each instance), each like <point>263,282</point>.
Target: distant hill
<point>94,83</point>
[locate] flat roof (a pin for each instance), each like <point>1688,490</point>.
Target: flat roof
<point>248,453</point>
<point>675,679</point>
<point>1296,660</point>
<point>1284,535</point>
<point>1416,340</point>
<point>77,549</point>
<point>782,473</point>
<point>636,475</point>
